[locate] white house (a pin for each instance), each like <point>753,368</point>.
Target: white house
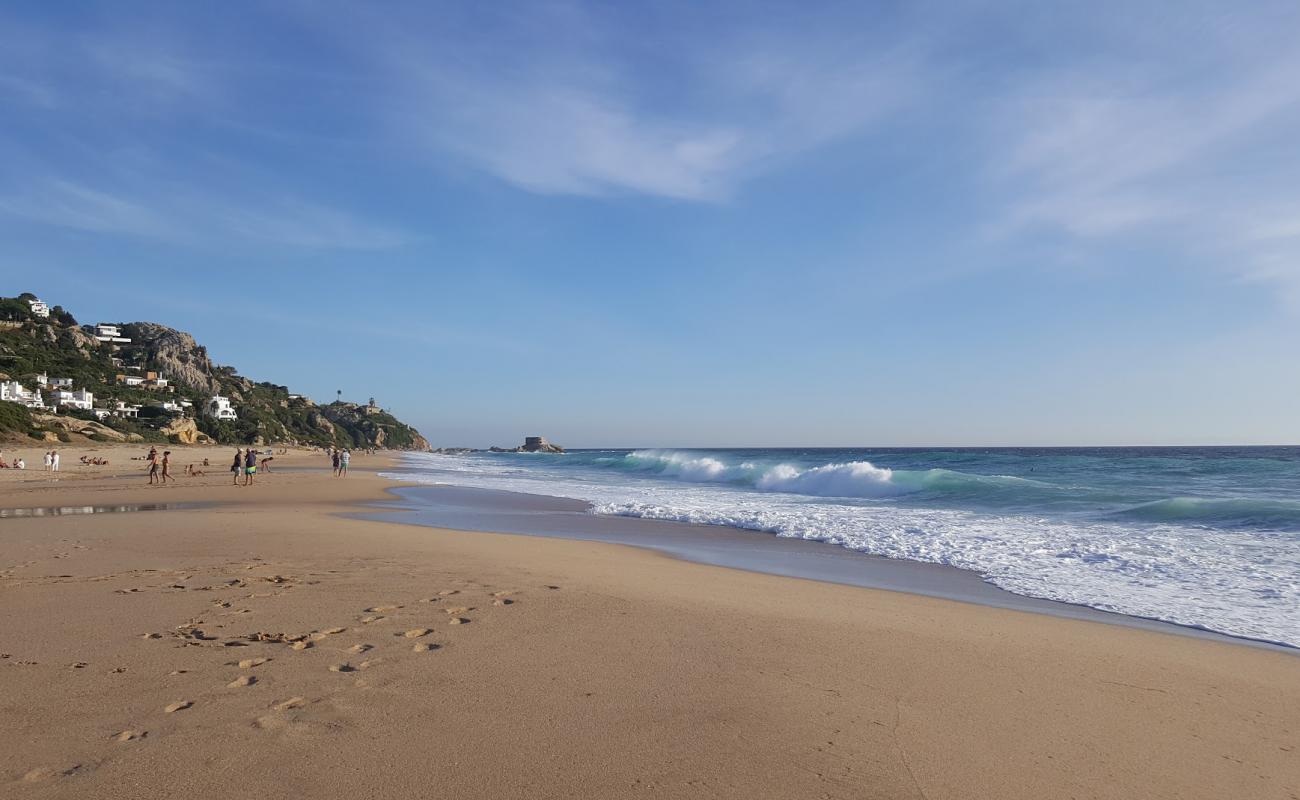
<point>219,407</point>
<point>121,409</point>
<point>130,380</point>
<point>101,412</point>
<point>39,308</point>
<point>62,383</point>
<point>14,392</point>
<point>171,407</point>
<point>110,333</point>
<point>81,399</point>
<point>42,379</point>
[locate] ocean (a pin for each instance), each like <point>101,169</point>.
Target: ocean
<point>1207,537</point>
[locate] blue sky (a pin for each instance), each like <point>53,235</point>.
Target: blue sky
<point>685,223</point>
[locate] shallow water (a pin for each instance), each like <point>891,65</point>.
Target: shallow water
<point>63,511</point>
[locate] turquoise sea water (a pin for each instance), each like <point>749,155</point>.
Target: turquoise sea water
<point>1200,536</point>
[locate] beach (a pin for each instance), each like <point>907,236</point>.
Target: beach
<point>255,642</point>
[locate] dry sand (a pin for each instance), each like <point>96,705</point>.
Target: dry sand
<point>262,647</point>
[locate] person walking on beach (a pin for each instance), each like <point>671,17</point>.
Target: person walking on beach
<point>250,466</point>
<point>153,465</point>
<point>54,460</point>
<point>238,466</point>
<point>344,458</point>
<point>334,457</point>
<point>166,461</point>
<point>49,460</point>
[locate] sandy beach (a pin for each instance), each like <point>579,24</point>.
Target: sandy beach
<point>252,642</point>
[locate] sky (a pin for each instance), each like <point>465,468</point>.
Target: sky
<point>685,223</point>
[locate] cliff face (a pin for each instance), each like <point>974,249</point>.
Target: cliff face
<point>174,354</point>
<point>267,413</point>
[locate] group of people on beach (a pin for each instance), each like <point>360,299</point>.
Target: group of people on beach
<point>159,468</point>
<point>340,458</point>
<point>246,463</point>
<point>18,462</point>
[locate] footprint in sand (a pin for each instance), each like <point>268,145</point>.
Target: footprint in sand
<point>78,665</point>
<point>179,705</point>
<point>548,586</point>
<point>458,621</point>
<point>342,668</point>
<point>381,609</point>
<point>424,647</point>
<point>302,645</point>
<point>360,648</point>
<point>415,633</point>
<point>457,610</point>
<point>502,594</point>
<point>368,663</point>
<point>332,631</point>
<point>369,619</point>
<point>131,736</point>
<point>151,636</point>
<point>249,663</point>
<point>430,599</point>
<point>502,601</point>
<point>292,702</point>
<point>241,681</point>
<point>45,773</point>
<point>448,592</point>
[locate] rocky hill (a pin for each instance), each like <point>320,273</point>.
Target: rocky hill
<point>267,413</point>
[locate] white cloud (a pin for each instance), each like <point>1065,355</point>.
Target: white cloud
<point>580,115</point>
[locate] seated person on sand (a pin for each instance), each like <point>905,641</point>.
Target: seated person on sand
<point>20,464</point>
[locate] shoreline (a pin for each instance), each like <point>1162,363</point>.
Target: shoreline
<point>495,511</point>
<point>577,668</point>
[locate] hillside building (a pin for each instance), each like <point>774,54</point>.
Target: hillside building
<point>14,392</point>
<point>110,333</point>
<point>219,408</point>
<point>80,399</point>
<point>39,308</point>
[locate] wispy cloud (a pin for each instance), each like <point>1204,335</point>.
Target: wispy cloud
<point>1186,135</point>
<point>584,114</point>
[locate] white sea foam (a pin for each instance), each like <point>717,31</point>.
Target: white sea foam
<point>1214,579</point>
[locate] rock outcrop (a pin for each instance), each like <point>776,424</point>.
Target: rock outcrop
<point>183,430</point>
<point>54,422</point>
<point>175,354</point>
<point>532,444</point>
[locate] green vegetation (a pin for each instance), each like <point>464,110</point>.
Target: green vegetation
<point>16,418</point>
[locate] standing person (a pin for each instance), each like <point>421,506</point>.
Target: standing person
<point>54,460</point>
<point>334,457</point>
<point>250,466</point>
<point>153,465</point>
<point>344,458</point>
<point>49,460</point>
<point>166,461</point>
<point>238,466</point>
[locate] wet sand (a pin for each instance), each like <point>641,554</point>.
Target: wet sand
<point>259,643</point>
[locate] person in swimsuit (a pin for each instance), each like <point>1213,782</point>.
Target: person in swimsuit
<point>153,465</point>
<point>166,462</point>
<point>250,466</point>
